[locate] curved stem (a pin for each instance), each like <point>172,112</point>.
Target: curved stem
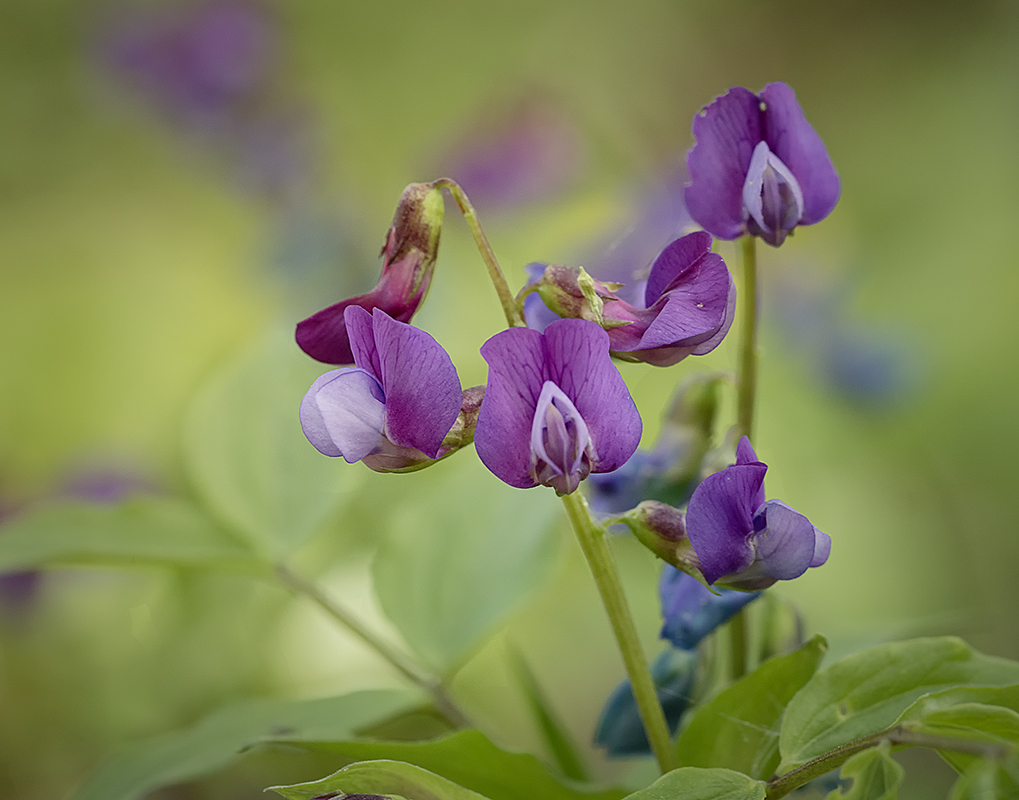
<point>509,306</point>
<point>748,337</point>
<point>404,665</point>
<point>596,550</point>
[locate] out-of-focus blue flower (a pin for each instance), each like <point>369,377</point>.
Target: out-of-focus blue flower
<point>758,166</point>
<point>640,478</point>
<point>555,408</point>
<point>691,611</point>
<point>620,730</point>
<point>741,540</point>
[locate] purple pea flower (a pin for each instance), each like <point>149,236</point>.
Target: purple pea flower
<point>758,166</point>
<point>555,407</point>
<point>394,408</point>
<point>741,540</point>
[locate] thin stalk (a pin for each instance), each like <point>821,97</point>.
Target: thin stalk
<point>599,558</point>
<point>403,664</point>
<point>748,337</point>
<point>509,306</point>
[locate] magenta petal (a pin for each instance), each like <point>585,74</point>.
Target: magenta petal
<point>785,548</point>
<point>422,388</point>
<point>579,363</point>
<point>719,519</point>
<point>516,373</point>
<point>726,132</point>
<point>672,261</point>
<point>323,336</point>
<point>794,140</point>
<point>343,414</point>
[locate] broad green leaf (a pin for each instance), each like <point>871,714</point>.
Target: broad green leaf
<point>989,780</point>
<point>970,722</point>
<point>381,777</point>
<point>456,564</point>
<point>218,740</point>
<point>144,530</point>
<point>248,456</point>
<point>472,761</point>
<point>694,783</point>
<point>1007,696</point>
<point>738,728</point>
<point>875,775</point>
<point>867,691</point>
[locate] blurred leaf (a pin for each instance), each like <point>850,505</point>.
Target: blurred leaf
<point>865,692</point>
<point>381,777</point>
<point>456,564</point>
<point>989,780</point>
<point>144,530</point>
<point>739,727</point>
<point>875,775</point>
<point>694,783</point>
<point>248,456</point>
<point>469,759</point>
<point>219,739</point>
<point>976,722</point>
<point>1007,696</point>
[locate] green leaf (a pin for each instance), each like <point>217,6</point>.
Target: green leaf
<point>875,774</point>
<point>381,777</point>
<point>472,761</point>
<point>739,728</point>
<point>867,691</point>
<point>694,783</point>
<point>218,740</point>
<point>989,780</point>
<point>457,563</point>
<point>1007,696</point>
<point>248,456</point>
<point>975,722</point>
<point>141,531</point>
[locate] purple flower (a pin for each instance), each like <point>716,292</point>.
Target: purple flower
<point>758,166</point>
<point>394,408</point>
<point>691,612</point>
<point>743,541</point>
<point>555,408</point>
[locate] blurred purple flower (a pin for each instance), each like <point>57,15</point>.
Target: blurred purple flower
<point>691,611</point>
<point>758,166</point>
<point>741,540</point>
<point>555,407</point>
<point>394,408</point>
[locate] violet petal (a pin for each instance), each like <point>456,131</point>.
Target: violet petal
<point>785,548</point>
<point>745,455</point>
<point>672,261</point>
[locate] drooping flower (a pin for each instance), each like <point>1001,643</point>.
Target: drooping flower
<point>758,166</point>
<point>555,407</point>
<point>741,540</point>
<point>687,307</point>
<point>408,260</point>
<point>394,408</point>
<point>690,611</point>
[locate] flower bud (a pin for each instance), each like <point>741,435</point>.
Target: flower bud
<point>662,530</point>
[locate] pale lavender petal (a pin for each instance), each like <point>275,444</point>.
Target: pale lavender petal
<point>785,548</point>
<point>420,382</point>
<point>822,548</point>
<point>726,133</point>
<point>793,139</point>
<point>343,414</point>
<point>753,182</point>
<point>516,373</point>
<point>553,416</point>
<point>361,335</point>
<point>579,363</point>
<point>719,519</point>
<point>672,261</point>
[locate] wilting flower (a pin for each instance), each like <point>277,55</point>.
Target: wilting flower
<point>758,166</point>
<point>691,611</point>
<point>687,307</point>
<point>555,407</point>
<point>741,540</point>
<point>408,260</point>
<point>394,408</point>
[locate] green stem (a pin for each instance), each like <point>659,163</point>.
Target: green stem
<point>509,306</point>
<point>748,337</point>
<point>782,785</point>
<point>404,665</point>
<point>596,550</point>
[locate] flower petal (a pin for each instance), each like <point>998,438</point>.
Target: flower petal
<point>343,414</point>
<point>420,383</point>
<point>691,611</point>
<point>694,306</point>
<point>672,261</point>
<point>796,143</point>
<point>822,548</point>
<point>516,373</point>
<point>726,133</point>
<point>745,455</point>
<point>579,363</point>
<point>323,336</point>
<point>361,336</point>
<point>785,548</point>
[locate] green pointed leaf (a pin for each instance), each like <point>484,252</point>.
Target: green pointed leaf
<point>469,759</point>
<point>694,783</point>
<point>974,722</point>
<point>141,531</point>
<point>248,456</point>
<point>867,691</point>
<point>216,741</point>
<point>989,780</point>
<point>1007,696</point>
<point>457,563</point>
<point>875,775</point>
<point>381,777</point>
<point>739,728</point>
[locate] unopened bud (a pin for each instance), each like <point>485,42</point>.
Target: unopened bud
<point>414,234</point>
<point>661,528</point>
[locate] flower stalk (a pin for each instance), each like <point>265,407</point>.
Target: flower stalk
<point>603,568</point>
<point>748,338</point>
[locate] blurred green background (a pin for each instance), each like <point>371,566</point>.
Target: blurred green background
<point>144,241</point>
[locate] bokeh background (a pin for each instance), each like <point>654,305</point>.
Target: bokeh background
<point>177,179</point>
